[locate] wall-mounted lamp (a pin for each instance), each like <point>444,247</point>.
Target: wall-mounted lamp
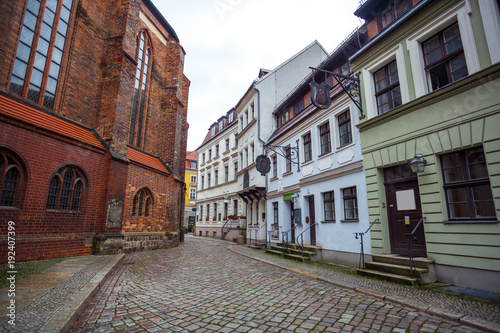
<point>295,197</point>
<point>418,163</point>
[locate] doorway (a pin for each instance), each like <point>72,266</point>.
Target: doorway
<point>404,210</point>
<point>312,220</point>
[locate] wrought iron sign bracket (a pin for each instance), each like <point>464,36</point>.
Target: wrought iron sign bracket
<point>293,157</point>
<point>352,89</point>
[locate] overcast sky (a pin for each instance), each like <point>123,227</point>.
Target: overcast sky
<point>228,41</point>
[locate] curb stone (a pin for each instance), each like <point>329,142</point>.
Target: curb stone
<point>63,319</point>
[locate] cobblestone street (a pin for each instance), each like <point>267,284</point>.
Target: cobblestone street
<point>202,286</point>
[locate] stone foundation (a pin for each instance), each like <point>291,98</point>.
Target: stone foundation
<point>112,243</point>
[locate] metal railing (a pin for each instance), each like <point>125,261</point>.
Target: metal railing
<point>410,238</point>
<point>358,235</point>
<point>301,243</point>
<point>222,232</point>
<point>231,223</point>
<point>256,232</point>
<point>284,237</point>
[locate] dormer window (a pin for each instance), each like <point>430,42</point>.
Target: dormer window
<point>394,11</point>
<point>221,125</point>
<point>230,117</point>
<point>212,131</point>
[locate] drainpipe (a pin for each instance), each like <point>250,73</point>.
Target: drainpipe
<point>264,143</point>
<point>181,211</point>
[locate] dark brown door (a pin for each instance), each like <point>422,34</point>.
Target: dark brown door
<point>312,219</point>
<point>404,211</point>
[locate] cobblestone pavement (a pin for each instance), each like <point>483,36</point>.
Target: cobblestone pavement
<point>202,286</point>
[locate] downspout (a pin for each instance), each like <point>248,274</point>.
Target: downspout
<point>181,212</point>
<point>264,144</point>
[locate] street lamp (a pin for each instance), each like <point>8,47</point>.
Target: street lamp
<point>418,163</point>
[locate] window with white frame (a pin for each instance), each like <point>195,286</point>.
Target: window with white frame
<point>306,139</point>
<point>329,206</point>
<point>227,144</point>
<point>345,131</point>
<point>444,57</point>
<point>216,177</point>
<point>350,203</point>
<point>324,139</point>
<point>226,173</point>
<point>192,194</point>
<point>467,186</point>
<point>387,90</point>
<point>193,179</point>
<point>288,159</point>
<point>275,166</point>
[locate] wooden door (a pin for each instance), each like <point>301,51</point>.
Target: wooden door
<point>404,211</point>
<point>312,219</point>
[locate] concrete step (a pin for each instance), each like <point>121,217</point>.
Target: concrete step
<point>296,257</point>
<point>389,276</point>
<point>396,269</point>
<point>395,259</point>
<point>279,253</point>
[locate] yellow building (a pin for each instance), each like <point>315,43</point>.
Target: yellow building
<point>190,179</point>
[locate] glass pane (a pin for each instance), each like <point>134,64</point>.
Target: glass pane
<point>52,5</point>
<point>65,14</point>
<point>54,70</point>
<point>56,56</point>
<point>62,27</point>
<point>33,93</point>
<point>48,16</point>
<point>59,43</point>
<point>396,97</point>
<point>393,73</point>
<point>30,20</point>
<point>16,85</point>
<point>20,69</point>
<point>458,210</point>
<point>456,195</point>
<point>51,85</point>
<point>68,3</point>
<point>458,67</point>
<point>27,36</point>
<point>48,101</point>
<point>39,63</point>
<point>380,82</point>
<point>34,6</point>
<point>45,31</point>
<point>452,40</point>
<point>485,209</point>
<point>481,192</point>
<point>432,50</point>
<point>43,46</point>
<point>23,52</point>
<point>36,77</point>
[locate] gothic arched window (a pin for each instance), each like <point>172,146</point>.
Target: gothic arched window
<point>139,104</point>
<point>143,203</point>
<point>66,189</point>
<point>40,51</point>
<point>11,179</point>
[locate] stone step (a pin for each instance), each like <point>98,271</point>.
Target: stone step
<point>279,253</point>
<point>389,276</point>
<point>296,257</point>
<point>396,269</point>
<point>309,248</point>
<point>395,259</point>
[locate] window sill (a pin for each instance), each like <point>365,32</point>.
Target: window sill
<point>329,221</point>
<point>325,155</point>
<point>348,221</point>
<point>307,162</point>
<point>471,222</point>
<point>273,179</point>
<point>350,144</point>
<point>288,173</point>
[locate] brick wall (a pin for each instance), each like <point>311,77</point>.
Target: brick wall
<point>95,89</point>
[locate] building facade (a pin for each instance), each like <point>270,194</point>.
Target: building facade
<point>430,81</point>
<point>255,125</point>
<point>89,136</point>
<point>316,192</point>
<point>218,207</point>
<point>191,180</point>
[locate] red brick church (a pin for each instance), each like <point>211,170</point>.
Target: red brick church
<point>93,128</point>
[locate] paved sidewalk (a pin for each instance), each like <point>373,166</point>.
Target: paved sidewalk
<point>52,300</point>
